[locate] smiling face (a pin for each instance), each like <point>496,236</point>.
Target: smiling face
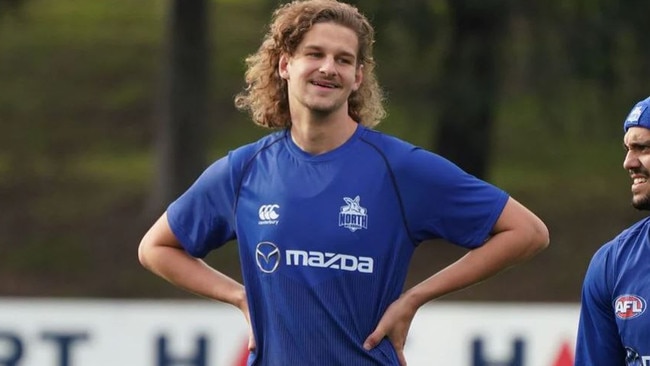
<point>637,163</point>
<point>322,72</point>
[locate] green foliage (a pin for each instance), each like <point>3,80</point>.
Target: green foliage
<point>80,82</point>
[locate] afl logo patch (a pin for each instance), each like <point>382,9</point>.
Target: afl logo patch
<point>629,306</point>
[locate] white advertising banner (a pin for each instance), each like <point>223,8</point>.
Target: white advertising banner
<point>480,334</point>
<point>119,333</point>
<point>44,332</point>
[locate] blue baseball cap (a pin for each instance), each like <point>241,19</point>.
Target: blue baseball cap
<point>639,115</point>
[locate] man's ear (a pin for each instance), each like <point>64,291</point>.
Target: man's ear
<point>358,78</point>
<point>283,67</point>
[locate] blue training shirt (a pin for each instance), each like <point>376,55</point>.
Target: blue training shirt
<point>325,241</point>
<point>614,326</point>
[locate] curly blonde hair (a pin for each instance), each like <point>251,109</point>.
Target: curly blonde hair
<point>265,96</point>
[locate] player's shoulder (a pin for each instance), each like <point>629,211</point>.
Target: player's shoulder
<point>403,155</point>
<point>638,231</point>
<point>384,141</point>
<point>616,258</point>
<point>628,240</point>
<point>243,154</point>
<point>395,150</point>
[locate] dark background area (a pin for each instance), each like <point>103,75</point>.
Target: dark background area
<point>530,97</point>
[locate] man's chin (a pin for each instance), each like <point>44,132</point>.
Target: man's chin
<point>641,203</point>
<point>323,110</point>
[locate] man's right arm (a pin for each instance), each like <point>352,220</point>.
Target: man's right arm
<point>162,253</point>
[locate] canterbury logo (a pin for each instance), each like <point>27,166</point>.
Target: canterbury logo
<point>268,214</point>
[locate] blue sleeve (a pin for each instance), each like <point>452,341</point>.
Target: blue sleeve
<point>443,201</point>
<point>598,341</point>
<point>202,218</point>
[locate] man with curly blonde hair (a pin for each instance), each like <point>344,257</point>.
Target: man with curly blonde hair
<point>266,94</point>
<point>328,212</point>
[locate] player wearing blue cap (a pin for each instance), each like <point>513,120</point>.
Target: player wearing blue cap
<point>326,211</point>
<point>614,324</point>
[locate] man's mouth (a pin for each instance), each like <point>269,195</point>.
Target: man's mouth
<point>324,84</point>
<point>638,180</point>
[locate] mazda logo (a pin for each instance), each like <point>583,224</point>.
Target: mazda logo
<point>267,256</point>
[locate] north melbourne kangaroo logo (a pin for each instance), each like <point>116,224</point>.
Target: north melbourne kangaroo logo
<point>352,216</point>
<point>268,215</point>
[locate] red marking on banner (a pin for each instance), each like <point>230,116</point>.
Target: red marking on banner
<point>242,359</point>
<point>565,358</point>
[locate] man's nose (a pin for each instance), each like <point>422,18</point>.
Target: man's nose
<point>328,66</point>
<point>631,161</point>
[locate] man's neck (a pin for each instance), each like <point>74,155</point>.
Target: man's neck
<point>318,136</point>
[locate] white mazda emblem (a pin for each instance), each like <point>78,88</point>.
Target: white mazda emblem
<point>267,256</point>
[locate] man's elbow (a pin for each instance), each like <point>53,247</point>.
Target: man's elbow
<point>144,253</point>
<point>539,237</point>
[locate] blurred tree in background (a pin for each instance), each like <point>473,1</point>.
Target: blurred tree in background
<point>106,104</point>
<point>468,103</point>
<point>9,6</point>
<point>470,32</point>
<point>181,133</point>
